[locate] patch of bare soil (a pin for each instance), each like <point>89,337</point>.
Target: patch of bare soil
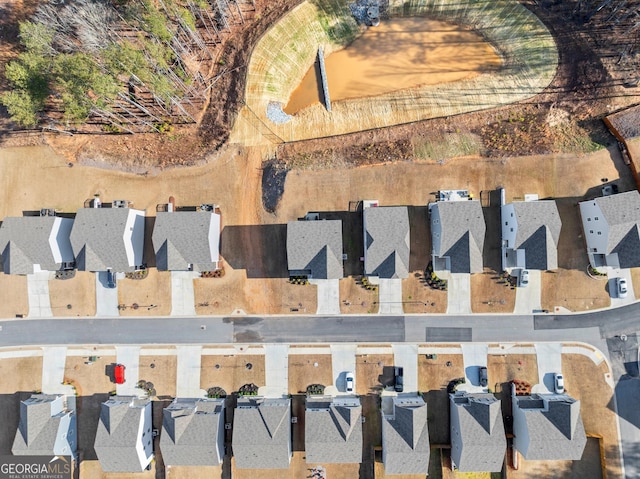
<point>491,293</point>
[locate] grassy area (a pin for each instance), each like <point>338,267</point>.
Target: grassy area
<point>571,138</point>
<point>448,146</point>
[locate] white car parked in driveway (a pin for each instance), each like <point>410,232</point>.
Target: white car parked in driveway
<point>558,383</point>
<point>524,278</point>
<point>350,382</point>
<point>621,287</point>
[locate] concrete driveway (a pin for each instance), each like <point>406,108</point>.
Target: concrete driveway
<point>53,362</point>
<point>406,356</point>
<point>276,371</point>
<point>474,356</point>
<point>130,357</point>
<point>528,298</point>
<point>343,360</point>
<point>390,296</point>
<point>458,293</point>
<point>549,359</point>
<point>183,293</point>
<point>38,293</point>
<point>612,275</point>
<point>106,298</point>
<point>189,362</point>
<point>328,295</point>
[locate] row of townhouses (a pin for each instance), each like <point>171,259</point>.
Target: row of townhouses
<point>101,238</point>
<point>545,427</point>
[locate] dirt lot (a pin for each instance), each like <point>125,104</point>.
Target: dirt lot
<point>502,369</point>
<point>233,372</point>
<point>152,294</point>
<point>29,379</point>
<point>304,372</point>
<point>373,372</point>
<point>419,297</point>
<point>188,472</point>
<point>356,299</point>
<point>15,300</point>
<point>90,379</point>
<point>489,295</point>
<point>79,292</point>
<point>161,371</point>
<point>298,469</point>
<point>585,382</point>
<point>93,470</point>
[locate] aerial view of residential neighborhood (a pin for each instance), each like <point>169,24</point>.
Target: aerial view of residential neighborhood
<point>319,239</point>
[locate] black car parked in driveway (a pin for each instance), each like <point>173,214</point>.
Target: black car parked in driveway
<point>398,384</point>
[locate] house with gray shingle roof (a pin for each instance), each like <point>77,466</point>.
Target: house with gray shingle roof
<point>262,433</point>
<point>124,439</point>
<point>29,244</point>
<point>333,430</point>
<point>193,432</point>
<point>405,435</point>
<point>187,241</point>
<point>314,249</point>
<point>611,227</point>
<point>548,427</point>
<point>386,241</point>
<point>108,239</point>
<point>46,427</point>
<point>457,236</point>
<point>530,234</point>
<point>478,440</point>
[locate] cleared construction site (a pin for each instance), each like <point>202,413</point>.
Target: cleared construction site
<point>526,51</point>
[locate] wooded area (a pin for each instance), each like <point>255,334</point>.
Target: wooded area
<point>132,67</point>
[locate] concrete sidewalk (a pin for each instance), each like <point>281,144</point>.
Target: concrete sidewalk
<point>183,293</point>
<point>38,293</point>
<point>189,363</point>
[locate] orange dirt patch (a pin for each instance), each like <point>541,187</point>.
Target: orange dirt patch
<point>232,372</point>
<point>489,295</point>
<point>79,292</point>
<point>308,369</point>
<point>152,294</point>
<point>20,374</point>
<point>419,297</point>
<point>369,372</point>
<point>356,299</point>
<point>89,379</point>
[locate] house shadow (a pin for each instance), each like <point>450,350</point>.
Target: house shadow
<point>88,415</point>
<point>149,253</point>
<point>491,253</point>
<point>261,250</point>
<point>352,238</point>
<point>419,238</point>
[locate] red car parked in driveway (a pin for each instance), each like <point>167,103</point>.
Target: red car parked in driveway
<point>118,373</point>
